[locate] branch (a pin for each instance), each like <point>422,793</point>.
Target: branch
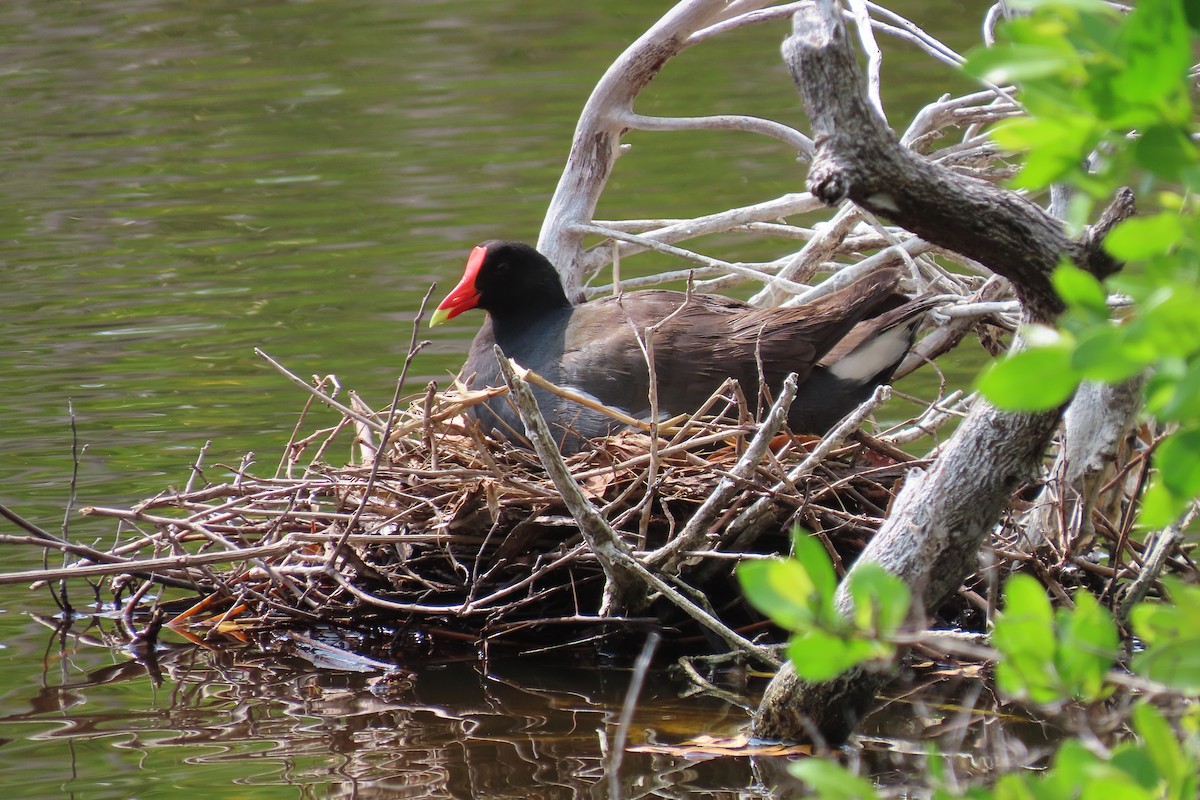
<point>595,145</point>
<point>726,122</point>
<point>932,536</point>
<point>786,206</point>
<point>859,157</point>
<point>666,558</point>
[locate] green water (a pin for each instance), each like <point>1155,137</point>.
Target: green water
<point>182,182</point>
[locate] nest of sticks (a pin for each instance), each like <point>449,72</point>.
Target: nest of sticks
<point>439,539</point>
<point>449,538</point>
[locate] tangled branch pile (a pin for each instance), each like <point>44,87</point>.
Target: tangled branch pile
<point>451,537</point>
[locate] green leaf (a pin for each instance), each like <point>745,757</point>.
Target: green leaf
<point>1015,63</point>
<point>1033,379</point>
<point>1024,635</point>
<point>1132,759</point>
<point>1167,322</point>
<point>1160,506</point>
<point>1163,748</point>
<point>881,600</point>
<point>1014,786</point>
<point>1057,146</point>
<point>810,552</point>
<point>1172,654</point>
<point>1165,150</point>
<point>1081,290</point>
<point>1178,461</point>
<point>1191,9</point>
<point>1158,623</point>
<point>1086,648</point>
<point>831,781</point>
<point>1139,238</point>
<point>821,656</point>
<point>1156,48</point>
<point>1102,354</point>
<point>1092,6</point>
<point>1175,664</point>
<point>781,589</point>
<point>1180,399</point>
<point>1072,765</point>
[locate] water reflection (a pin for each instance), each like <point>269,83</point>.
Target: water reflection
<point>451,730</point>
<point>267,716</point>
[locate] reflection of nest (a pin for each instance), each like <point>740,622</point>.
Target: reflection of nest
<point>459,539</point>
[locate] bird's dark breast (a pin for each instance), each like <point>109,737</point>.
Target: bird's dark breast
<point>540,344</point>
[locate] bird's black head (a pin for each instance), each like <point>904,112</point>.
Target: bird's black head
<point>506,279</point>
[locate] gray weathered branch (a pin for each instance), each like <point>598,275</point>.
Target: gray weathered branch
<point>941,517</point>
<point>858,157</point>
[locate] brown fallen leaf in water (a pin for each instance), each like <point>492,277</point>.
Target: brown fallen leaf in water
<point>740,745</point>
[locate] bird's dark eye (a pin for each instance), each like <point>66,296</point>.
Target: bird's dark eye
<point>501,268</point>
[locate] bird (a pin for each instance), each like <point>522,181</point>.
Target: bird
<point>841,346</point>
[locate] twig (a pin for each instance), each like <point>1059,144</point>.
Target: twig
<point>317,393</point>
<point>725,122</point>
<point>640,668</point>
<point>1163,544</point>
<point>665,558</point>
<point>745,528</point>
<point>146,568</point>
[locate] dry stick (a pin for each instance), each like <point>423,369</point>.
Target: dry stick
<point>430,441</point>
<point>368,448</point>
<point>745,528</point>
<point>82,550</point>
<point>414,347</point>
<point>742,20</point>
<point>336,552</point>
<point>675,449</point>
<point>92,555</point>
<point>862,19</point>
<point>645,342</point>
<point>688,255</point>
<point>613,768</point>
<point>146,568</point>
<point>196,465</point>
<point>289,452</point>
<point>29,527</point>
<point>802,144</point>
<point>391,605</point>
<point>1156,556</point>
<point>531,377</point>
<point>667,556</point>
<point>680,230</point>
<point>317,393</point>
<point>618,564</point>
<point>601,538</point>
<point>74,473</point>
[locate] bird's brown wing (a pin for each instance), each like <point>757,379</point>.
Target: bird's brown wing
<point>703,339</point>
<point>603,351</point>
<point>796,339</point>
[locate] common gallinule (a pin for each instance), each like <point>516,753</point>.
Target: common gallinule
<point>841,346</point>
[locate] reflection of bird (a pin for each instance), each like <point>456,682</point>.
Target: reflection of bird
<point>841,346</point>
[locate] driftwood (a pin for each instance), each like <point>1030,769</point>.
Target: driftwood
<point>942,517</point>
<point>1096,432</point>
